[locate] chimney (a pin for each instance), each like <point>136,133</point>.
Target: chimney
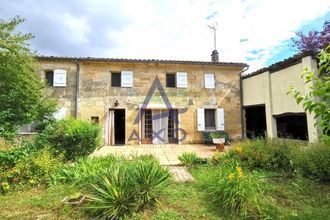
<point>215,56</point>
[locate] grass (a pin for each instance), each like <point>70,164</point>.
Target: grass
<point>39,203</point>
<point>300,198</point>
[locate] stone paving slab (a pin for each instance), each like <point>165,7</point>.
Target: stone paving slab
<point>167,154</point>
<point>181,174</point>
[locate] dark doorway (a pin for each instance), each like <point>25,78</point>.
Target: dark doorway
<point>255,121</point>
<point>119,126</point>
<point>292,126</point>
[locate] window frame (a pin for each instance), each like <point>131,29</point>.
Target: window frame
<point>171,74</point>
<point>213,127</point>
<point>112,79</point>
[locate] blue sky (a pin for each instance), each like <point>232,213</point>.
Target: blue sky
<point>253,31</point>
<point>286,51</point>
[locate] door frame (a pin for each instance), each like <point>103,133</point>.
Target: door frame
<point>108,130</point>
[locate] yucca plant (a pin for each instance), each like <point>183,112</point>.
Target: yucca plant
<point>114,196</point>
<point>151,179</point>
<point>190,159</point>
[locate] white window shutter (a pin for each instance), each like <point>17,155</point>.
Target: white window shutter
<point>200,120</point>
<point>181,80</point>
<point>220,119</point>
<point>209,81</point>
<point>59,77</point>
<point>126,78</point>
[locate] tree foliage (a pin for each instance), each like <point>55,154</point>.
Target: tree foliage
<point>313,41</point>
<point>318,99</point>
<point>21,90</point>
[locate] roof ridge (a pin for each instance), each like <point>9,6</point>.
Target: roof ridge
<point>140,60</point>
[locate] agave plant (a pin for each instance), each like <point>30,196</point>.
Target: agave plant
<point>114,195</point>
<point>151,179</point>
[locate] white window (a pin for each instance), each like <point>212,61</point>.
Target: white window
<point>126,78</point>
<point>59,78</point>
<point>209,81</point>
<point>181,80</point>
<point>210,119</point>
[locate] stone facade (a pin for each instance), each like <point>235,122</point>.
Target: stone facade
<point>96,96</point>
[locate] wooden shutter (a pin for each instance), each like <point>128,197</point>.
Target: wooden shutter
<point>59,78</point>
<point>181,80</point>
<point>126,78</point>
<point>220,119</point>
<point>209,81</point>
<point>200,120</point>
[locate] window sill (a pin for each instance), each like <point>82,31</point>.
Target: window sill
<point>28,133</point>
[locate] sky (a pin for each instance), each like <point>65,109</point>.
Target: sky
<point>256,32</point>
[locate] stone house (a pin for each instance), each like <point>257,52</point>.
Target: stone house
<point>269,111</point>
<point>147,101</point>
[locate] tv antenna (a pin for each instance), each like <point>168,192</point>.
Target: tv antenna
<point>213,27</point>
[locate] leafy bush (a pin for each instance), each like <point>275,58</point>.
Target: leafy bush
<point>190,159</point>
<point>314,162</point>
<point>128,187</point>
<point>38,167</point>
<point>9,158</point>
<point>232,190</point>
<point>272,154</point>
<point>33,169</point>
<point>71,137</point>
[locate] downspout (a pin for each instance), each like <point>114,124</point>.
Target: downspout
<point>241,94</point>
<point>77,89</point>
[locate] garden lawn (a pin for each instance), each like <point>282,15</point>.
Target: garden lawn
<point>300,198</point>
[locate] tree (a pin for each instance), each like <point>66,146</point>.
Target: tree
<point>22,97</point>
<point>318,99</point>
<point>313,41</point>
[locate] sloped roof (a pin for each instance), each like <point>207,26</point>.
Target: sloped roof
<point>281,64</point>
<point>140,61</point>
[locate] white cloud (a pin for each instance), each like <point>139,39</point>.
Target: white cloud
<point>77,28</point>
<point>171,29</point>
<point>178,29</point>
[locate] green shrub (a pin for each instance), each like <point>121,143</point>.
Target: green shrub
<point>34,169</point>
<point>38,167</point>
<point>9,158</point>
<point>190,159</point>
<point>71,137</point>
<point>271,154</point>
<point>128,187</point>
<point>314,162</point>
<point>232,190</point>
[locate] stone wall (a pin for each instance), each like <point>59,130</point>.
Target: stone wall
<point>96,96</point>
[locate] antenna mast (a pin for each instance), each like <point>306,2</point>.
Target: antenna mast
<point>213,28</point>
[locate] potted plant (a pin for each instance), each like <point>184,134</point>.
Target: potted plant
<point>219,139</point>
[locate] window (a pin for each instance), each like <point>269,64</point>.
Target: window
<point>49,75</point>
<point>95,119</point>
<point>176,80</point>
<point>122,79</point>
<point>170,80</point>
<point>209,119</point>
<point>56,78</point>
<point>209,81</point>
<point>115,79</point>
<point>29,128</point>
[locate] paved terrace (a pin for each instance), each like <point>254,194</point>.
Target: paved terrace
<point>166,153</point>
